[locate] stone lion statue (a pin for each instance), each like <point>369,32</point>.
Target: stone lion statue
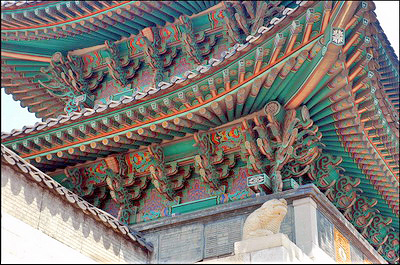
<point>266,220</point>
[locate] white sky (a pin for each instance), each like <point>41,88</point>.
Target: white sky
<point>13,116</point>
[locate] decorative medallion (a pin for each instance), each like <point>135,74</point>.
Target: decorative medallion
<point>338,36</point>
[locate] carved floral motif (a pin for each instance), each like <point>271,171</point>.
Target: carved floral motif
<point>285,145</point>
<point>212,165</point>
<point>70,82</point>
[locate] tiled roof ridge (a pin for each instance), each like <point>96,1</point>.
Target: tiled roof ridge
<point>160,86</point>
<point>8,5</point>
<point>31,172</point>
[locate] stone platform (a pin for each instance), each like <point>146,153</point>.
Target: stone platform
<point>275,248</point>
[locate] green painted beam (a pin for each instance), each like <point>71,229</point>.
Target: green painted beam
<point>202,5</point>
<point>194,6</point>
<point>153,19</point>
<point>194,205</point>
<point>289,82</point>
<point>304,74</point>
<point>30,65</point>
<point>172,12</point>
<point>366,188</point>
<point>176,5</point>
<point>320,106</point>
<point>251,97</point>
<point>258,103</point>
<point>125,28</point>
<point>163,16</point>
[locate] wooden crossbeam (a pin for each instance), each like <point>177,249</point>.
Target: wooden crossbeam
<point>230,109</point>
<point>77,152</point>
<point>161,130</point>
<point>64,155</point>
<point>137,137</point>
<point>198,119</point>
<point>171,126</point>
<point>121,139</point>
<point>189,124</point>
<point>218,111</point>
<point>99,146</point>
<point>210,116</point>
<point>149,133</point>
<point>109,143</point>
<point>90,150</point>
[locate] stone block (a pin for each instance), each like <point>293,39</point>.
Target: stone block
<point>243,258</point>
<point>153,238</point>
<point>220,236</point>
<point>181,245</point>
<point>288,225</point>
<point>272,248</point>
<point>325,234</point>
<point>274,255</point>
<point>263,242</point>
<point>305,213</point>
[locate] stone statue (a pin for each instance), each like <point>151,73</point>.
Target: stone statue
<point>266,220</point>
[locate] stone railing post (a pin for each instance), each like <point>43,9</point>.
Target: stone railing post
<point>306,227</point>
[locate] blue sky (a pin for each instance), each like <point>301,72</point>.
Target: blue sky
<point>13,116</point>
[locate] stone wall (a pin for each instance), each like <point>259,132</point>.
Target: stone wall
<point>33,212</point>
<point>276,248</point>
<point>205,235</point>
<point>203,239</point>
<point>210,234</point>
